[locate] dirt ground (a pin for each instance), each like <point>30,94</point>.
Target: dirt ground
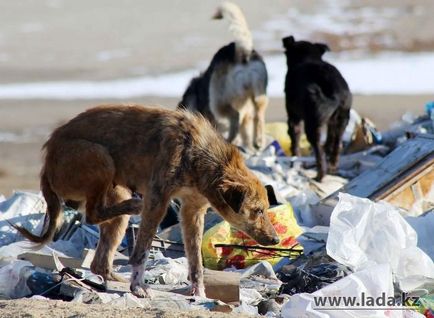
<point>31,308</point>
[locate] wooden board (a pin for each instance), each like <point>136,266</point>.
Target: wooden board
<point>404,166</point>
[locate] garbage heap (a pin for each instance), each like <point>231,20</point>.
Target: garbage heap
<point>358,244</point>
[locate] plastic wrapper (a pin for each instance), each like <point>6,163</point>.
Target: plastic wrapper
<point>224,246</point>
<point>310,273</point>
<point>279,131</point>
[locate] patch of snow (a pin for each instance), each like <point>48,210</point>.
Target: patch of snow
<point>385,73</point>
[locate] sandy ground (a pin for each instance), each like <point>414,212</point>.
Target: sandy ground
<point>101,39</point>
<point>31,308</point>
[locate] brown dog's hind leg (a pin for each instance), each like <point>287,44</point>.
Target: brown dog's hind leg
<point>192,214</point>
<point>111,234</point>
<point>152,215</point>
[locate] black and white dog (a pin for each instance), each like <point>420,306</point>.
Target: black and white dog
<point>233,87</point>
<point>317,94</point>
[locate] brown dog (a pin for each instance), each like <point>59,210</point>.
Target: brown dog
<point>103,154</point>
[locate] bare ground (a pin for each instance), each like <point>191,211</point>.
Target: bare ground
<point>31,308</point>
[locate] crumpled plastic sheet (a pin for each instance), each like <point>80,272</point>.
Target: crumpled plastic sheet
<point>313,238</point>
<point>257,283</point>
<point>363,233</point>
<point>250,296</point>
<point>276,171</point>
<point>166,271</point>
<point>29,209</point>
<point>373,281</point>
<point>424,227</point>
<point>22,208</point>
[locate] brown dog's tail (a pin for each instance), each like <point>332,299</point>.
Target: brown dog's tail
<point>53,212</point>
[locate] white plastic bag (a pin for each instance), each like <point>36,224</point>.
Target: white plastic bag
<point>13,279</point>
<point>363,233</point>
<point>374,283</point>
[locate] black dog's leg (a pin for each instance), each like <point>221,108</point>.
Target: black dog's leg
<point>294,131</point>
<point>342,117</point>
<point>331,135</point>
<point>313,134</point>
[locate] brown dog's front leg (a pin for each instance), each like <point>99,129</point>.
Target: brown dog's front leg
<point>151,218</point>
<point>192,221</point>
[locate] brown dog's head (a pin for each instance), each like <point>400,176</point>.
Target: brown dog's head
<point>300,51</point>
<point>242,200</point>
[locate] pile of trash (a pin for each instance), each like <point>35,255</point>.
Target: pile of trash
<point>358,244</point>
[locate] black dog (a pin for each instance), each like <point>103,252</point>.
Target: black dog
<point>317,94</point>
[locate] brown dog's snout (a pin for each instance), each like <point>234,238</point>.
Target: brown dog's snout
<point>266,241</point>
<point>275,240</point>
<point>264,233</point>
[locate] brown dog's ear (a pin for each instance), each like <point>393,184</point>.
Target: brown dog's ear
<point>322,47</point>
<point>288,41</point>
<point>233,194</point>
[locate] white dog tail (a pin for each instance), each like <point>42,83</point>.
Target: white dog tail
<point>237,26</point>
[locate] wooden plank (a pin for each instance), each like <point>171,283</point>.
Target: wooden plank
<point>47,261</point>
<point>407,159</point>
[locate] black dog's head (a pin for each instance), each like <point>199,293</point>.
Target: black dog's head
<point>300,51</point>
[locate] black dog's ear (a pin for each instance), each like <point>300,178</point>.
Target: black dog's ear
<point>322,47</point>
<point>234,197</point>
<point>288,41</point>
